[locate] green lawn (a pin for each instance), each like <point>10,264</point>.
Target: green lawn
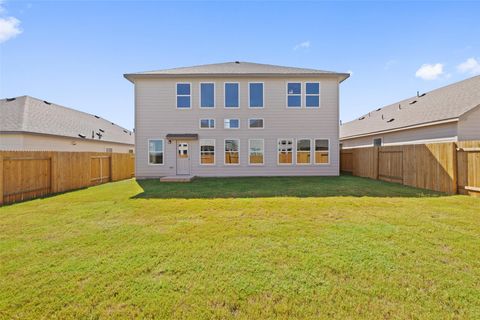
<point>285,248</point>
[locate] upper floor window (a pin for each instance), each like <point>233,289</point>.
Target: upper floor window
<point>155,151</point>
<point>294,94</point>
<point>255,123</point>
<point>231,123</point>
<point>207,95</point>
<point>255,92</point>
<point>207,123</point>
<point>232,95</point>
<point>312,95</point>
<point>184,94</point>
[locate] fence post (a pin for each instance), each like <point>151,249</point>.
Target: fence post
<point>454,169</point>
<point>1,180</point>
<point>375,162</point>
<point>53,172</point>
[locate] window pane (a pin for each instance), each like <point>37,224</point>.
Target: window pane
<point>183,101</point>
<point>204,123</point>
<point>232,123</point>
<point>231,145</point>
<point>294,88</point>
<point>256,151</point>
<point>207,95</point>
<point>183,88</point>
<point>231,95</point>
<point>313,101</point>
<point>256,123</point>
<point>303,151</point>
<point>231,152</point>
<point>321,151</point>
<point>156,158</point>
<point>285,151</point>
<point>312,88</point>
<point>207,151</point>
<point>155,149</point>
<point>303,145</point>
<point>256,95</point>
<point>294,101</point>
<point>321,145</point>
<point>212,123</point>
<point>156,145</point>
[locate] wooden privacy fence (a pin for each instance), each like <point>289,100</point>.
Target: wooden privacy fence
<point>31,174</point>
<point>447,167</point>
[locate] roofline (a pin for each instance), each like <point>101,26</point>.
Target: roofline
<point>62,136</point>
<point>425,124</point>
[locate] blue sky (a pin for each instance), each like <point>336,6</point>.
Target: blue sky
<point>75,52</point>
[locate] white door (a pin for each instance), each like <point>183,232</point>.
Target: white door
<point>183,158</point>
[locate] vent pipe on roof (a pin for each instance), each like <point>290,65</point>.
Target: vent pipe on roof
<point>237,62</point>
<point>382,116</point>
<point>46,102</point>
<point>93,134</point>
<point>399,107</point>
<point>418,94</point>
<point>11,99</point>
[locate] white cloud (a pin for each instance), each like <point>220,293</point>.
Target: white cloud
<point>302,45</point>
<point>9,28</point>
<point>471,66</point>
<point>430,71</point>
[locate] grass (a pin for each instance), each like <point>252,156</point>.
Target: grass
<point>284,248</point>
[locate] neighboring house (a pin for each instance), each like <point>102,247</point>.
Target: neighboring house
<point>29,124</point>
<point>450,113</point>
<point>236,119</point>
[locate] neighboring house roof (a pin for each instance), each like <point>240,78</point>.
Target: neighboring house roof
<point>30,115</point>
<point>441,105</point>
<point>237,68</point>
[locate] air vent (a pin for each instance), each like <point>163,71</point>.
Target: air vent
<point>125,131</point>
<point>46,102</point>
<point>113,124</point>
<point>82,136</point>
<point>11,99</point>
<point>101,130</point>
<point>423,95</point>
<point>413,102</point>
<point>97,117</point>
<point>361,118</point>
<point>237,62</point>
<point>391,120</point>
<point>378,109</point>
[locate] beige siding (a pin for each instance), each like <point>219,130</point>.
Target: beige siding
<point>37,142</point>
<point>469,125</point>
<point>156,115</point>
<point>431,134</point>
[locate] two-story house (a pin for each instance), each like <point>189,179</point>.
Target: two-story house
<point>236,119</point>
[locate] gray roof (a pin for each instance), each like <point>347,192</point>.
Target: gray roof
<point>27,114</point>
<point>237,68</point>
<point>446,103</point>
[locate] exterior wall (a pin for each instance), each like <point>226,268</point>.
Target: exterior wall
<point>156,116</point>
<point>469,125</point>
<point>38,142</point>
<point>437,133</point>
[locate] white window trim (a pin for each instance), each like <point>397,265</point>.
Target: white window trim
<point>200,95</point>
<point>214,153</point>
<point>263,122</point>
<point>293,152</point>
<point>263,153</point>
<point>239,123</point>
<point>148,152</point>
<point>296,152</point>
<point>225,95</point>
<point>200,123</point>
<point>329,152</point>
<point>301,94</point>
<point>313,95</point>
<point>239,158</point>
<point>183,95</point>
<point>263,95</point>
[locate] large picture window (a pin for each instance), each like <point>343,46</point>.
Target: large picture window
<point>207,95</point>
<point>232,95</point>
<point>255,151</point>
<point>303,151</point>
<point>255,92</point>
<point>321,151</point>
<point>232,151</point>
<point>285,151</point>
<point>312,95</point>
<point>294,94</point>
<point>155,151</point>
<point>183,95</point>
<point>207,151</point>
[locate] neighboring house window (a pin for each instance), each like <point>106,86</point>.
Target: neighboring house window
<point>255,123</point>
<point>232,149</point>
<point>207,95</point>
<point>109,150</point>
<point>183,95</point>
<point>312,95</point>
<point>255,91</point>
<point>285,151</point>
<point>207,123</point>
<point>231,95</point>
<point>377,142</point>
<point>321,151</point>
<point>303,151</point>
<point>294,94</point>
<point>155,151</point>
<point>231,123</point>
<point>207,151</point>
<point>255,151</point>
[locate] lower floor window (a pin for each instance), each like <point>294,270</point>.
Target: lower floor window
<point>285,151</point>
<point>255,151</point>
<point>232,149</point>
<point>155,151</point>
<point>207,151</point>
<point>303,151</point>
<point>321,151</point>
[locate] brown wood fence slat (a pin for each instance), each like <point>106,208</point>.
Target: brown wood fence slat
<point>446,167</point>
<point>31,174</point>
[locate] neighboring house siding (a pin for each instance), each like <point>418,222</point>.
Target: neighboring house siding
<point>39,142</point>
<point>469,125</point>
<point>156,116</point>
<point>431,134</point>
